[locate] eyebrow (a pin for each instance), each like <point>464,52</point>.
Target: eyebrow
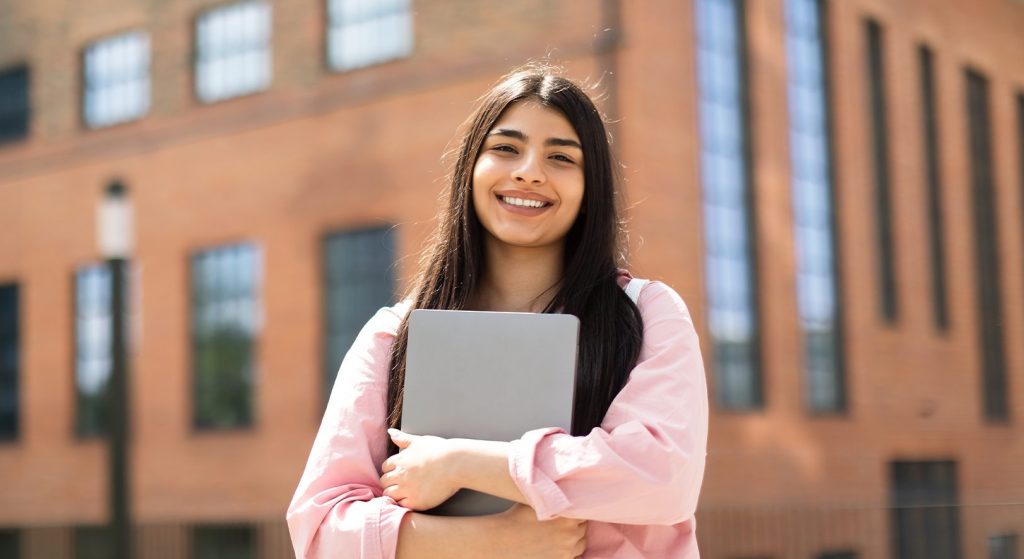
<point>512,133</point>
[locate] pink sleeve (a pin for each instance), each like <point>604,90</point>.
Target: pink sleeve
<point>645,464</point>
<point>338,509</point>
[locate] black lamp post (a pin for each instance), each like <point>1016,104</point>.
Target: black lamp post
<point>115,244</point>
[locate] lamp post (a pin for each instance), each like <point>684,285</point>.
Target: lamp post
<point>115,244</point>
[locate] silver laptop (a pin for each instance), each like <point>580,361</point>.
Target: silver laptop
<point>490,376</point>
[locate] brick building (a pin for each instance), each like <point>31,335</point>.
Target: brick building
<point>835,187</point>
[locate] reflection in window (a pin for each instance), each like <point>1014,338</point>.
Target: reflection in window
<point>116,79</point>
<point>727,194</point>
<point>14,104</point>
<point>225,321</point>
<point>9,352</point>
<point>360,278</point>
<point>365,32</point>
<point>233,54</point>
<point>92,348</point>
<point>816,279</point>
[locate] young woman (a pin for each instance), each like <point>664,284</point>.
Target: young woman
<point>530,225</point>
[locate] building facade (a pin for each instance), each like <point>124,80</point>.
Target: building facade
<point>836,188</point>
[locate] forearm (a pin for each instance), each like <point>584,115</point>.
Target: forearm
<point>423,536</point>
<point>483,466</point>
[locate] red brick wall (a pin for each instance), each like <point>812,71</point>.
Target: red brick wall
<point>320,151</point>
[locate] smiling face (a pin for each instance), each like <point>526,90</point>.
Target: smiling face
<point>528,179</point>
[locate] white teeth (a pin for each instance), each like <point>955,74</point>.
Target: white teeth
<point>522,202</point>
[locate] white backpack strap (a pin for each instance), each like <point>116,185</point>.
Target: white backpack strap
<point>633,288</point>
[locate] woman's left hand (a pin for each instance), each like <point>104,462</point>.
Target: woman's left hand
<point>420,476</point>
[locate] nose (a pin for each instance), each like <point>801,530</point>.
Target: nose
<point>530,171</point>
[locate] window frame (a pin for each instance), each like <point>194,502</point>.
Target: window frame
<point>388,234</point>
<point>837,361</point>
<point>748,203</point>
<point>249,416</point>
<point>83,87</point>
<point>197,52</point>
<point>332,67</point>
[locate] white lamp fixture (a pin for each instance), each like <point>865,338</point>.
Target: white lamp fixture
<point>115,226</point>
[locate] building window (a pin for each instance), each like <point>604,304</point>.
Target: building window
<point>93,542</point>
<point>1003,546</point>
<point>9,358</point>
<point>817,276</point>
<point>223,542</point>
<point>363,32</point>
<point>116,80</point>
<point>225,322</point>
<point>233,51</point>
<point>845,554</point>
<point>359,274</point>
<point>986,249</point>
<point>92,349</point>
<point>14,104</point>
<point>925,514</point>
<point>880,151</point>
<point>730,263</point>
<point>10,543</point>
<point>933,176</point>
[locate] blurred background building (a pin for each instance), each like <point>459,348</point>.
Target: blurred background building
<point>836,187</point>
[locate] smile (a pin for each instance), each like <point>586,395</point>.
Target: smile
<point>522,202</point>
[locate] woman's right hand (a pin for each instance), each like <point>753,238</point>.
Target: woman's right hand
<point>522,535</point>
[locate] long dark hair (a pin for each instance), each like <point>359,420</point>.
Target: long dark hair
<point>611,329</point>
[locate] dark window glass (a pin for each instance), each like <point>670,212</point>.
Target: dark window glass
<point>14,104</point>
<point>880,151</point>
<point>846,554</point>
<point>9,361</point>
<point>1003,546</point>
<point>925,512</point>
<point>93,542</point>
<point>233,50</point>
<point>225,321</point>
<point>361,33</point>
<point>223,542</point>
<point>933,176</point>
<point>10,543</point>
<point>359,274</point>
<point>986,250</point>
<point>817,280</point>
<point>1020,150</point>
<point>730,270</point>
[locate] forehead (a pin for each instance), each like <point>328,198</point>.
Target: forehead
<point>536,121</point>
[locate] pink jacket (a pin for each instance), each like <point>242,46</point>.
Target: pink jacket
<point>636,478</point>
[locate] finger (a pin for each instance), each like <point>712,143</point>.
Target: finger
<point>402,440</point>
<point>395,492</point>
<point>387,466</point>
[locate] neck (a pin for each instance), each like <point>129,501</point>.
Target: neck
<point>518,279</point>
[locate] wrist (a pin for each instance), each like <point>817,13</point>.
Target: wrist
<point>459,462</point>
